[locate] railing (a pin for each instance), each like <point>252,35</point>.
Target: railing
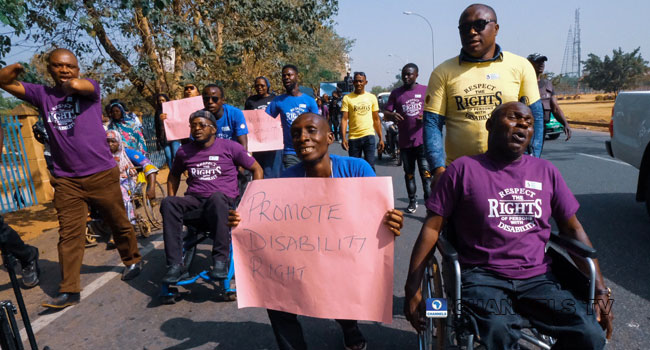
<point>156,154</point>
<point>16,178</point>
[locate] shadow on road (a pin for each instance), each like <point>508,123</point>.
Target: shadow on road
<point>621,235</point>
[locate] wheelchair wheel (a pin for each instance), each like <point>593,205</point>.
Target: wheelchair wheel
<point>433,337</point>
<point>152,207</point>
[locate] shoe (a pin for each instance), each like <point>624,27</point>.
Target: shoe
<point>413,206</point>
<point>110,244</point>
<point>132,271</point>
<point>219,270</point>
<point>31,273</point>
<point>174,274</point>
<point>63,300</point>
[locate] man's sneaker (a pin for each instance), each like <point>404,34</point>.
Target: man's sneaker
<point>132,271</point>
<point>31,273</point>
<point>63,300</point>
<point>413,206</point>
<point>174,274</point>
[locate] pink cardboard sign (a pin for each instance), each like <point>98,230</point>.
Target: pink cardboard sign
<point>264,131</point>
<point>316,247</point>
<point>177,124</point>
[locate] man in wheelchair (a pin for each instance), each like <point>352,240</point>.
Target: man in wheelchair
<point>499,204</point>
<point>211,166</point>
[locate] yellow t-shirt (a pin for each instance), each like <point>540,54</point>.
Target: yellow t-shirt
<point>360,108</point>
<point>467,93</point>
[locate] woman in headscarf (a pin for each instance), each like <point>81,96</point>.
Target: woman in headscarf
<point>129,129</point>
<point>126,160</point>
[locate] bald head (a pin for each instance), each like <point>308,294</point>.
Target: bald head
<point>471,8</point>
<point>311,137</point>
<point>504,108</point>
<point>62,65</point>
<point>60,51</point>
<point>317,118</point>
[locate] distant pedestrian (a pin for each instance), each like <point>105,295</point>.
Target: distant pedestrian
<point>270,161</point>
<point>361,110</point>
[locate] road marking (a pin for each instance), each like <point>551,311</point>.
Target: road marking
<point>603,158</point>
<point>45,320</point>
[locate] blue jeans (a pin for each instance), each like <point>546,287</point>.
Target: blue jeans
<point>170,151</point>
<point>271,163</point>
<point>365,145</point>
<point>498,305</point>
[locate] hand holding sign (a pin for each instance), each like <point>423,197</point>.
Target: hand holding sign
<point>177,121</point>
<point>327,255</point>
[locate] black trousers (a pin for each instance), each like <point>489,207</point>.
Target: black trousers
<point>288,332</point>
<point>411,156</point>
<point>215,214</point>
<point>10,239</point>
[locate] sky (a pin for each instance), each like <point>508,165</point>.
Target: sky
<point>386,39</point>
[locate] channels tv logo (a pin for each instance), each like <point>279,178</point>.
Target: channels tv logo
<point>436,308</point>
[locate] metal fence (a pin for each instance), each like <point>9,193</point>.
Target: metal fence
<point>156,154</point>
<point>16,178</point>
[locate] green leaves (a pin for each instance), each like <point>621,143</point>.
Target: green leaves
<point>621,71</point>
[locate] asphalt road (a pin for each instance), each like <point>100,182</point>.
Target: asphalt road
<point>118,315</point>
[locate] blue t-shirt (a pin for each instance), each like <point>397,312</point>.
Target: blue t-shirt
<point>231,124</point>
<point>289,108</point>
<point>341,167</point>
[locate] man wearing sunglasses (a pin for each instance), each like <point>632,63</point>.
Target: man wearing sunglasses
<point>464,90</point>
<point>211,164</point>
<point>231,124</point>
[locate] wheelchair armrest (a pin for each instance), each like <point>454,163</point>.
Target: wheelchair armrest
<point>447,250</point>
<point>573,246</point>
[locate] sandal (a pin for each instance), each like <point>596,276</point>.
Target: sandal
<point>354,339</point>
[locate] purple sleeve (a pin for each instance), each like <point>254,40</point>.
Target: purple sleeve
<point>178,165</point>
<point>563,203</point>
<point>444,195</point>
<point>34,94</point>
<point>240,156</point>
<point>95,96</point>
<point>390,104</point>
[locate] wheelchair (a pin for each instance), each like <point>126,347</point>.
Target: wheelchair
<point>457,331</point>
<point>195,234</point>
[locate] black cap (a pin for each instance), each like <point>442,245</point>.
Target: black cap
<point>202,113</point>
<point>535,57</point>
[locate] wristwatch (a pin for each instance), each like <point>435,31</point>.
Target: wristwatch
<point>606,291</point>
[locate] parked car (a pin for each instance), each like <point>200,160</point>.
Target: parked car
<point>629,130</point>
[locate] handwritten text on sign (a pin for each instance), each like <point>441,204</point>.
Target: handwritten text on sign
<point>264,131</point>
<point>177,124</point>
<point>316,247</point>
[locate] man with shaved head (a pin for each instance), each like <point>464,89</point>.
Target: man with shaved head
<point>464,90</point>
<point>499,204</point>
<point>84,169</point>
<point>311,136</point>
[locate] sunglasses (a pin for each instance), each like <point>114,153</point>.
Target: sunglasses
<point>215,99</point>
<point>190,87</point>
<point>478,25</point>
<point>199,126</point>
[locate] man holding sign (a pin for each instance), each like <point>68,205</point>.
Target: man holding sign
<point>211,164</point>
<point>311,137</point>
<point>231,124</point>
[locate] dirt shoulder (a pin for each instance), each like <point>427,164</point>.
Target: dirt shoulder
<point>587,113</point>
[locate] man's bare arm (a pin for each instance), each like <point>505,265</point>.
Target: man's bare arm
<point>559,115</point>
<point>344,129</point>
<point>77,86</point>
<point>172,184</point>
<point>243,140</point>
<point>9,80</point>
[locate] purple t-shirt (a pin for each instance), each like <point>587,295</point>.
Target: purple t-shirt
<point>409,104</point>
<point>74,126</point>
<point>500,212</point>
<point>211,169</point>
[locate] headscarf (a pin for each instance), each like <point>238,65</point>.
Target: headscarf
<point>122,160</point>
<point>130,131</point>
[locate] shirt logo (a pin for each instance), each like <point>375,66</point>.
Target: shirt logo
<point>243,126</point>
<point>516,209</point>
<point>205,171</point>
<point>534,185</point>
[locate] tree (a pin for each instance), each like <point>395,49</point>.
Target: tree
<point>12,15</point>
<point>158,45</point>
<point>621,71</point>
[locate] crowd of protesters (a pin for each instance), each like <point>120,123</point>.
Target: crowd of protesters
<point>493,142</point>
